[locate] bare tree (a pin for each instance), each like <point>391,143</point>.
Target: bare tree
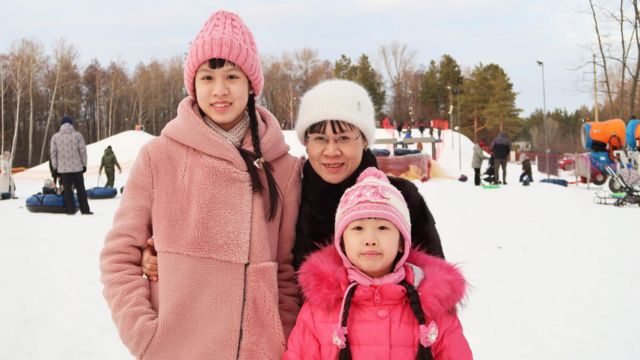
<point>63,53</point>
<point>17,68</point>
<point>4,83</point>
<point>603,56</point>
<point>399,63</point>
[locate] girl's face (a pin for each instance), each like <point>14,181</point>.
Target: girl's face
<point>334,157</point>
<point>222,93</point>
<point>372,245</point>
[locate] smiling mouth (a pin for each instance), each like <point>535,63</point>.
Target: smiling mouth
<point>334,165</point>
<point>220,105</point>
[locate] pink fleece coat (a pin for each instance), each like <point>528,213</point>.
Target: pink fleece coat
<point>381,324</point>
<point>226,288</point>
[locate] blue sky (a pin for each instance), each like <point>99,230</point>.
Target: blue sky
<point>513,34</point>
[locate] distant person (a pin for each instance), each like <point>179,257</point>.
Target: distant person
<point>7,186</point>
<point>109,163</point>
<point>69,161</point>
<point>476,162</point>
<point>526,175</point>
<point>500,148</point>
<point>49,188</point>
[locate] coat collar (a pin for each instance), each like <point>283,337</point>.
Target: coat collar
<point>323,280</point>
<point>188,128</point>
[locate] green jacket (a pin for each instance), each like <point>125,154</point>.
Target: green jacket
<point>109,159</point>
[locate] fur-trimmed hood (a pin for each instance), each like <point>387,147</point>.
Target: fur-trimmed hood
<point>323,280</point>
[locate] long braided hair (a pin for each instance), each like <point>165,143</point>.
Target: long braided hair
<point>254,160</point>
<point>424,353</point>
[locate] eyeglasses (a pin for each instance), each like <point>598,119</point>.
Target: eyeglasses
<point>321,141</point>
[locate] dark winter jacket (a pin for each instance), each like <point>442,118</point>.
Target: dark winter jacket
<point>501,146</point>
<point>109,159</point>
<point>320,200</point>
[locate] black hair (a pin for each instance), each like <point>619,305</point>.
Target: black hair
<point>337,127</point>
<point>254,160</point>
<point>345,352</point>
<point>424,353</point>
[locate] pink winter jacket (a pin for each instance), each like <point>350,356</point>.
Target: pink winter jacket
<point>381,324</point>
<point>226,286</point>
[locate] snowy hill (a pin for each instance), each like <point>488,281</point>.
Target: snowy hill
<point>551,274</point>
<point>125,145</point>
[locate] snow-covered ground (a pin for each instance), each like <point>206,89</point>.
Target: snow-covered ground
<point>552,275</point>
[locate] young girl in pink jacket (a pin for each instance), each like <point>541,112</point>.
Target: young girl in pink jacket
<point>219,194</point>
<point>370,296</point>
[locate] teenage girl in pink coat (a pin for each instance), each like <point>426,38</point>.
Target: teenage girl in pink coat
<point>369,296</point>
<point>219,194</point>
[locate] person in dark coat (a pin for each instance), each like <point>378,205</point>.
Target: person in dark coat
<point>109,163</point>
<point>500,148</point>
<point>69,161</point>
<point>329,114</point>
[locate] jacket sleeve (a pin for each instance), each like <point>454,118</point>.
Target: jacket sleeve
<point>303,342</point>
<point>289,300</point>
<point>53,152</point>
<point>82,147</point>
<point>125,289</point>
<point>423,226</point>
<point>101,164</point>
<point>451,343</point>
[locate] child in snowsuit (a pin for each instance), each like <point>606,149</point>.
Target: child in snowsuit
<point>370,296</point>
<point>526,175</point>
<point>226,287</point>
<point>109,163</point>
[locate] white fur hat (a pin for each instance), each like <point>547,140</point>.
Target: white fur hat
<point>336,99</point>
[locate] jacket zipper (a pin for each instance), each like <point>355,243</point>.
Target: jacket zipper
<point>244,300</point>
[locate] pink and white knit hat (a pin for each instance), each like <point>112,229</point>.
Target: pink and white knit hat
<point>373,196</point>
<point>224,36</point>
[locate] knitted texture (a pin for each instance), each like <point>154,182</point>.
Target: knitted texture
<point>373,197</point>
<point>337,100</point>
<point>224,36</point>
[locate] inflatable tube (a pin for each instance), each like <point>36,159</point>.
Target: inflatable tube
<point>381,152</point>
<point>561,182</point>
<point>49,203</point>
<point>633,134</point>
<point>402,151</point>
<point>102,193</point>
<point>5,196</point>
<point>603,135</point>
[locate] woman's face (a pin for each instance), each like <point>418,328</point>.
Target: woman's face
<point>335,157</point>
<point>222,94</point>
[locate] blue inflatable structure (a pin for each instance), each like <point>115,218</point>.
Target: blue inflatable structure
<point>49,203</point>
<point>102,193</point>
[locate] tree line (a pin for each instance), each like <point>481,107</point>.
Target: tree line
<point>38,88</point>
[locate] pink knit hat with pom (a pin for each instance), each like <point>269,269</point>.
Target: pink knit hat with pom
<point>224,36</point>
<point>373,196</point>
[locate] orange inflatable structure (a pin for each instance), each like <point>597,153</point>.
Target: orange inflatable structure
<point>604,135</point>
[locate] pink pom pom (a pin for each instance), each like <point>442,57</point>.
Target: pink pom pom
<point>373,172</point>
<point>428,334</point>
<point>339,336</point>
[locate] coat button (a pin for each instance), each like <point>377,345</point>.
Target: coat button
<point>383,313</point>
